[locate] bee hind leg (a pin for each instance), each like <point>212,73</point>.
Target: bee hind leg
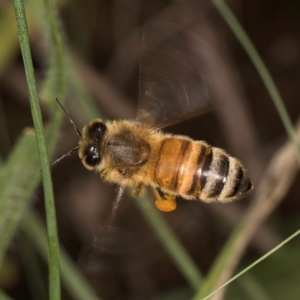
<point>164,202</point>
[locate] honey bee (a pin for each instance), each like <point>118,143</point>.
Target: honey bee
<point>137,153</point>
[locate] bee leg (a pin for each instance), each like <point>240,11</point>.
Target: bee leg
<point>164,202</point>
<point>113,208</point>
<point>138,189</point>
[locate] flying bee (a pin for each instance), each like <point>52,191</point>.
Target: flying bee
<point>173,86</point>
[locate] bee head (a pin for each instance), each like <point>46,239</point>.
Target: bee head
<point>89,144</point>
<point>89,141</point>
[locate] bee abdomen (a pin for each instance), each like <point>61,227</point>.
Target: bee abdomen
<point>194,169</point>
<point>225,179</point>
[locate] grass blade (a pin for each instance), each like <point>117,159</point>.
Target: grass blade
<point>16,187</point>
<point>253,265</point>
<point>54,277</point>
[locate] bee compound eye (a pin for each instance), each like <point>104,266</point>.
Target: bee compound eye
<point>97,130</point>
<point>92,156</point>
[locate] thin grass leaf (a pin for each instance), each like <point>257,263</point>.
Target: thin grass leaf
<point>54,278</point>
<point>252,265</point>
<point>17,189</point>
<point>261,69</point>
<point>71,277</point>
<point>18,179</point>
<point>284,265</point>
<point>169,240</point>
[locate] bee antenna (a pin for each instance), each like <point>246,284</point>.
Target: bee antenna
<point>70,120</point>
<point>65,155</point>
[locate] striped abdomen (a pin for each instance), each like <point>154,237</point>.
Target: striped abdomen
<point>194,169</point>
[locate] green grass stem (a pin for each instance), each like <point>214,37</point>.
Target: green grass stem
<point>54,276</point>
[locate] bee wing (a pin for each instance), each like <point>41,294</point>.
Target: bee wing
<point>174,75</point>
<point>118,243</point>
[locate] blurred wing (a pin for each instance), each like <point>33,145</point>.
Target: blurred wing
<point>120,243</point>
<point>174,81</point>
